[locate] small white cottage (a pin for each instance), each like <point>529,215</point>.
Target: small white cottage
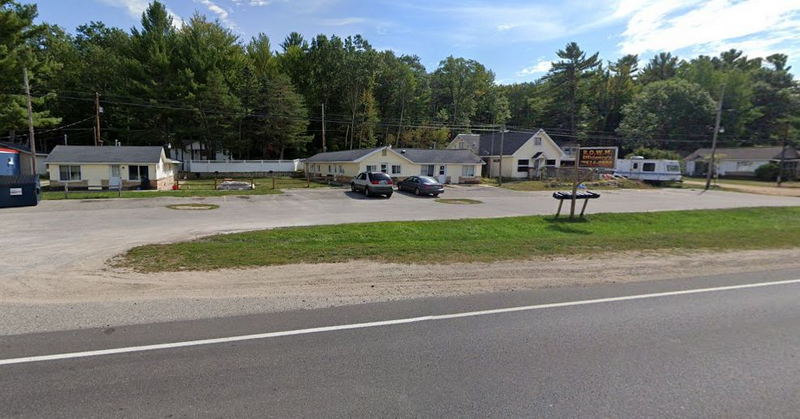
<point>93,167</point>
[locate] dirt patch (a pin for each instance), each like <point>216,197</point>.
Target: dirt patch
<point>761,190</point>
<point>323,285</point>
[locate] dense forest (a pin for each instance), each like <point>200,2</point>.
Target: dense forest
<point>161,84</point>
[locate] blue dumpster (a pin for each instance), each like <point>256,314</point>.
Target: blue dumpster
<point>19,191</point>
<point>9,162</point>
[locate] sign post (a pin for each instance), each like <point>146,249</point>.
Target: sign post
<point>591,158</point>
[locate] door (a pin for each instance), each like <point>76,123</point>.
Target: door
<point>442,174</point>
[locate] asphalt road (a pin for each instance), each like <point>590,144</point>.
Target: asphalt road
<point>76,237</point>
<point>720,353</point>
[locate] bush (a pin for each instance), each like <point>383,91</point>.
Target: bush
<point>768,171</point>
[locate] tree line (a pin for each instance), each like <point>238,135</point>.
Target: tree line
<point>162,84</point>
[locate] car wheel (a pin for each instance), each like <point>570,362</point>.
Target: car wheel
<point>416,192</point>
<point>436,195</point>
<point>366,191</point>
<point>388,195</point>
<point>352,187</point>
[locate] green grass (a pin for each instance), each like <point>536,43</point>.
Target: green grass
<point>748,182</point>
<point>459,201</point>
<point>476,240</point>
<point>192,188</point>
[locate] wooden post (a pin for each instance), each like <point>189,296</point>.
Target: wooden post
<point>560,203</point>
<point>97,118</point>
<point>273,180</point>
<point>31,138</point>
<point>585,201</point>
<point>575,182</point>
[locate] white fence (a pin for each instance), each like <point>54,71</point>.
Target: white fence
<point>241,166</point>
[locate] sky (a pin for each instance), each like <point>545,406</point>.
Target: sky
<point>517,39</point>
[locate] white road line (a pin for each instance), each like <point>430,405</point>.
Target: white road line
<point>173,345</point>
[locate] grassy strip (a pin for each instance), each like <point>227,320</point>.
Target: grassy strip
<point>476,240</point>
<point>192,188</point>
<point>458,201</point>
<point>193,207</point>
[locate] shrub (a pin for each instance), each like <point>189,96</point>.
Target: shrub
<point>768,171</point>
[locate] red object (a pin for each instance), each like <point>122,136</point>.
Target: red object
<point>176,187</point>
<point>8,150</point>
<point>375,182</point>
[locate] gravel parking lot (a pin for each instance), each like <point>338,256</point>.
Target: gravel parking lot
<point>59,238</point>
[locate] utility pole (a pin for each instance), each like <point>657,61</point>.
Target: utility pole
<point>783,154</point>
<point>502,139</point>
<point>97,118</point>
<point>31,138</point>
<point>712,163</point>
<point>324,146</point>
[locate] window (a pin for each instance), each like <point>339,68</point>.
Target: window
<point>362,176</point>
<point>114,170</point>
<point>636,165</point>
<point>649,167</point>
<point>370,167</point>
<point>673,168</point>
<point>743,164</point>
<point>522,165</point>
<point>330,168</point>
<point>384,167</point>
<point>468,171</point>
<point>396,169</point>
<point>138,172</point>
<point>442,170</point>
<point>379,177</point>
<point>549,162</point>
<point>341,169</point>
<point>428,180</point>
<point>427,169</point>
<point>67,173</point>
<point>537,141</point>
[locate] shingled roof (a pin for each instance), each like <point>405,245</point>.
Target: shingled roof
<point>92,154</point>
<point>416,155</point>
<point>423,156</point>
<point>745,153</point>
<point>489,143</point>
<point>341,156</point>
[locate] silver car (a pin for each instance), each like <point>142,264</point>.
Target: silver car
<point>373,183</point>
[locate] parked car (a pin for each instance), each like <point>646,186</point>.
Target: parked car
<point>421,185</point>
<point>373,183</point>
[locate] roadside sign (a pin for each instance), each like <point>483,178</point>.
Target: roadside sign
<point>15,191</point>
<point>598,157</point>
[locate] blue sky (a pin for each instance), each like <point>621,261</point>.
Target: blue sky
<point>515,38</point>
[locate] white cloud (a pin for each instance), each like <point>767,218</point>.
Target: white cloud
<point>222,14</point>
<point>709,26</point>
<point>343,21</point>
<point>541,66</point>
<point>135,8</point>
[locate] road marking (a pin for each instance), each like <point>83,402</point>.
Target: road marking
<point>201,342</point>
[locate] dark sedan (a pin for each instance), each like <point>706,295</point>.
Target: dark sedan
<point>421,185</point>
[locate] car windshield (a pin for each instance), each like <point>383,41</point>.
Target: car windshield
<point>379,176</point>
<point>428,180</point>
